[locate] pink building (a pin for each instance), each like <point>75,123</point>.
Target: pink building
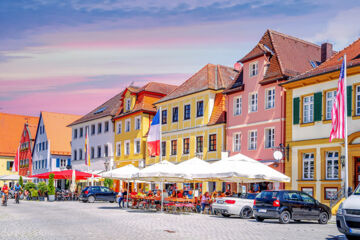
<point>255,103</point>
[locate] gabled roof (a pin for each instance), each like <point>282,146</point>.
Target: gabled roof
<point>156,87</point>
<point>109,108</point>
<point>334,63</point>
<point>288,56</point>
<point>211,76</point>
<point>11,128</point>
<point>57,132</point>
<point>32,130</point>
<point>218,114</point>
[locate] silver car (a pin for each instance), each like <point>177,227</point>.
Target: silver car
<point>229,206</point>
<point>348,216</point>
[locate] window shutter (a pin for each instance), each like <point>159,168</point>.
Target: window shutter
<point>58,162</point>
<point>69,162</point>
<point>296,110</point>
<point>7,165</point>
<point>317,106</point>
<point>349,102</point>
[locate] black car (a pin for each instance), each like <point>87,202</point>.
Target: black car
<point>97,193</point>
<point>287,204</point>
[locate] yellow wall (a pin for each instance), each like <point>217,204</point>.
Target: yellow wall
<point>3,164</point>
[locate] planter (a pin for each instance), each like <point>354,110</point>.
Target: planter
<point>34,198</point>
<point>41,198</point>
<point>51,198</point>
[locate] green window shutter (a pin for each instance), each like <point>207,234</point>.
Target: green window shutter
<point>317,106</point>
<point>296,110</point>
<point>7,165</point>
<point>349,98</point>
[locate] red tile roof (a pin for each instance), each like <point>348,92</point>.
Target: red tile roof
<point>11,128</point>
<point>218,114</point>
<point>209,77</point>
<point>157,87</point>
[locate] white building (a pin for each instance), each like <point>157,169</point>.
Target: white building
<point>100,129</point>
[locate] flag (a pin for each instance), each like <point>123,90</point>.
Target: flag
<point>15,167</point>
<point>338,109</point>
<point>87,152</point>
<point>153,139</point>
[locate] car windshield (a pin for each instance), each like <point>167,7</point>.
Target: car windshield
<point>267,195</point>
<point>357,190</point>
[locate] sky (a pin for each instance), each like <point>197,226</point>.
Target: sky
<point>70,56</point>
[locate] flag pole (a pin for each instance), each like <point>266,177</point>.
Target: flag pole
<point>346,131</point>
<point>160,153</point>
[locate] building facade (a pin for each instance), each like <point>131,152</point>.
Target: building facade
<point>25,149</point>
<point>255,103</point>
<point>316,165</point>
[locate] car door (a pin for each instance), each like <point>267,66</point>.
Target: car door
<point>310,210</point>
<point>107,194</point>
<point>97,192</point>
<point>294,203</point>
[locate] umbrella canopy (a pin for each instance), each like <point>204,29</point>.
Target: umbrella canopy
<point>161,172</point>
<point>196,169</point>
<point>13,178</point>
<point>66,174</point>
<point>240,168</point>
<point>125,173</point>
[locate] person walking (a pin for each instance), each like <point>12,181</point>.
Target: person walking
<point>204,201</point>
<point>121,198</point>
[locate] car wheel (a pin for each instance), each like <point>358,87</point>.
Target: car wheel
<point>323,218</point>
<point>112,201</point>
<point>259,219</point>
<point>225,215</point>
<point>91,199</point>
<point>285,217</point>
<point>246,213</point>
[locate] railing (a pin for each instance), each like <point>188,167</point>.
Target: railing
<point>337,197</point>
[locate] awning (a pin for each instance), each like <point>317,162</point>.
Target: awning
<point>66,174</point>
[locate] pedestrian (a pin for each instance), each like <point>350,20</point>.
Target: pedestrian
<point>121,198</point>
<point>204,201</point>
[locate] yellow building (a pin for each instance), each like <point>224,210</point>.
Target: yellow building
<point>193,117</point>
<point>315,164</point>
<point>133,121</point>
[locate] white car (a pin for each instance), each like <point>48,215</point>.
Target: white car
<point>228,206</point>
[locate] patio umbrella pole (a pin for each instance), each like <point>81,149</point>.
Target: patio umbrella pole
<point>127,195</point>
<point>162,195</point>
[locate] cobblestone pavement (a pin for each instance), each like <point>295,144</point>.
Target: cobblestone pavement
<point>75,220</point>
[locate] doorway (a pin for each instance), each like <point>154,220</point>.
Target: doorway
<point>357,171</point>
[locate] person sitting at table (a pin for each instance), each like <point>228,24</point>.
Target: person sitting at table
<point>190,195</point>
<point>180,194</point>
<point>150,194</point>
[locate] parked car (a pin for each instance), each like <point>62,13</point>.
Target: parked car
<point>348,216</point>
<point>239,206</point>
<point>97,193</point>
<point>287,205</point>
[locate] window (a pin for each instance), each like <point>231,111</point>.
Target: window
<point>187,112</point>
<point>200,109</point>
<point>137,146</point>
<point>46,145</point>
<point>128,104</point>
<point>43,146</point>
<point>330,97</point>
<point>212,142</point>
<point>186,145</point>
<point>99,128</point>
<point>106,150</point>
<point>332,165</point>
<point>81,132</point>
<point>237,142</point>
<point>266,68</point>
<point>308,166</point>
<point>99,151</point>
<point>93,129</point>
<point>164,116</point>
<point>92,156</point>
<point>253,69</point>
<point>163,149</point>
<point>269,137</point>
<point>252,140</point>
<point>199,144</point>
<point>330,193</point>
<point>106,126</point>
<point>80,154</point>
<point>127,147</point>
<point>306,198</point>
<point>253,102</point>
<point>75,155</point>
<point>118,149</point>
<point>308,109</point>
<point>75,133</point>
<point>175,113</point>
<point>137,123</point>
<point>270,98</point>
<point>357,100</point>
<point>127,125</point>
<point>119,128</point>
<point>173,147</point>
<point>237,106</point>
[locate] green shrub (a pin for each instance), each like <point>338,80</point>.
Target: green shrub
<point>21,182</point>
<point>51,187</point>
<point>29,186</point>
<point>108,182</point>
<point>34,193</point>
<point>43,188</point>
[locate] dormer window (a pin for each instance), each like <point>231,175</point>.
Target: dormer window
<point>253,69</point>
<point>128,104</point>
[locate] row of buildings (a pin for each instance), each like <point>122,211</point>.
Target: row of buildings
<point>278,97</point>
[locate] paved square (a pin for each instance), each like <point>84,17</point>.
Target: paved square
<point>76,220</point>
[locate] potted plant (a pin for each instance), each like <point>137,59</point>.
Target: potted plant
<point>51,188</point>
<point>43,188</point>
<point>34,194</point>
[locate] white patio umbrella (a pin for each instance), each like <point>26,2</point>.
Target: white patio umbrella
<point>196,169</point>
<point>73,184</point>
<point>240,168</point>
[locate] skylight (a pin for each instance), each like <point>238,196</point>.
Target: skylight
<point>313,64</point>
<point>100,110</point>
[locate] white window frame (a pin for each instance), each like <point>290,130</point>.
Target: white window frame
<point>118,149</point>
<point>126,149</point>
<point>252,140</point>
<point>253,69</point>
<point>135,146</point>
<point>331,160</point>
<point>269,143</point>
<point>308,109</point>
<point>127,104</point>
<point>253,103</point>
<point>138,119</point>
<point>119,127</point>
<point>127,123</point>
<point>270,103</point>
<point>357,100</point>
<point>237,106</point>
<point>236,142</point>
<point>329,101</point>
<point>307,169</point>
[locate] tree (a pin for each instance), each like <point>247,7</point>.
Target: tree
<point>51,187</point>
<point>29,186</point>
<point>43,188</point>
<point>21,182</point>
<point>108,182</point>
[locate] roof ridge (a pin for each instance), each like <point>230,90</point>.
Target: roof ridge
<point>293,38</point>
<point>19,115</point>
<point>69,114</point>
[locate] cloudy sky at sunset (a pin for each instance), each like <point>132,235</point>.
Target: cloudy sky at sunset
<point>71,55</point>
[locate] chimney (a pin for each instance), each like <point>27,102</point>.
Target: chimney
<point>326,51</point>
